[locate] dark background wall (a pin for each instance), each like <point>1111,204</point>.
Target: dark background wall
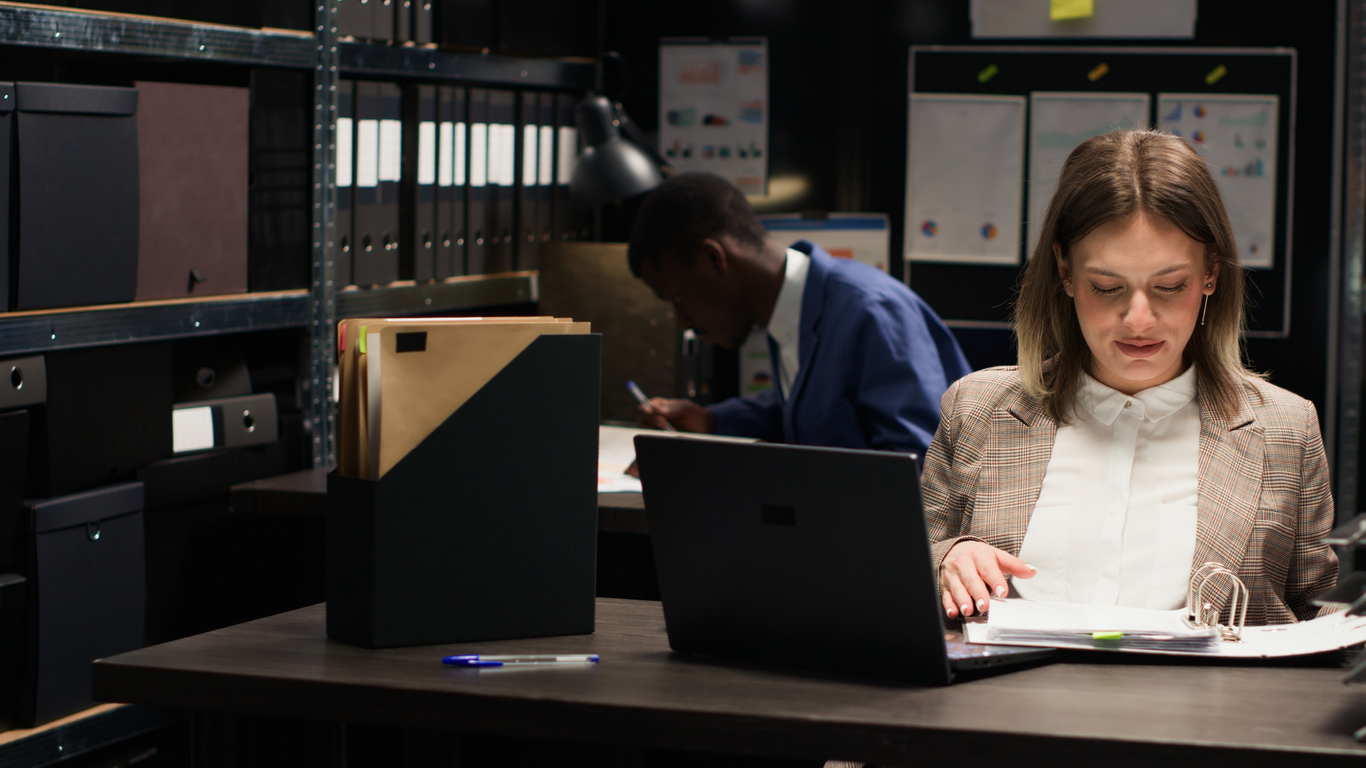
<point>838,89</point>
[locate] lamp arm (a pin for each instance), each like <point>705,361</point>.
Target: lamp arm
<point>638,137</point>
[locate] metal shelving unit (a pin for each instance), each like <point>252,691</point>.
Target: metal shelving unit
<point>60,28</point>
<point>317,308</point>
<point>91,730</point>
<point>34,332</point>
<point>455,295</point>
<point>364,60</point>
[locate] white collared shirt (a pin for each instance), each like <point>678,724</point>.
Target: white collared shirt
<point>785,324</point>
<point>1115,520</point>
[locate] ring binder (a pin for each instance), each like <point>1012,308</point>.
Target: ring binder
<point>1201,614</point>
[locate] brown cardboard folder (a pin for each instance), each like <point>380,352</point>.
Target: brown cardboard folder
<point>473,511</point>
<point>388,408</point>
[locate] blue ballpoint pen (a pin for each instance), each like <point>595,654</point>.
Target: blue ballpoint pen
<point>487,660</point>
<point>645,401</point>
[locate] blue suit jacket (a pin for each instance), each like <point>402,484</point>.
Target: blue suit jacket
<point>875,359</point>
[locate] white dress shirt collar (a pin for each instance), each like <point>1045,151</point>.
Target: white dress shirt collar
<point>1155,403</point>
<point>785,324</point>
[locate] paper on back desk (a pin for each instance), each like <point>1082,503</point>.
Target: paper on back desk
<point>1325,633</point>
<point>352,434</point>
<point>617,449</point>
<point>410,394</point>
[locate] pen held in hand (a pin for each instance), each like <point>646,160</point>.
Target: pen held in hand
<point>488,660</point>
<point>645,401</point>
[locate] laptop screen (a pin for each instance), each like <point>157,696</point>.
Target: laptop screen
<point>814,558</point>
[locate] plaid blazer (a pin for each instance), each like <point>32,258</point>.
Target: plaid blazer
<point>1264,503</point>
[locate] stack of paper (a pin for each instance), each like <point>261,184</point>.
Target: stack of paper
<point>400,379</point>
<point>1110,628</point>
<point>1022,622</point>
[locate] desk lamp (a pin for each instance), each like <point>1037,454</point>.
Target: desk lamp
<point>611,167</point>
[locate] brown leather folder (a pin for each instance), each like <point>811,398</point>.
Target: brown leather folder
<point>192,162</point>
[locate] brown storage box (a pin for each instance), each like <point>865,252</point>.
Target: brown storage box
<point>192,157</point>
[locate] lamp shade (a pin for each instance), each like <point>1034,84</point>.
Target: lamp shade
<point>610,167</point>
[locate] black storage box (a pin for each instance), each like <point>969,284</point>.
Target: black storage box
<point>23,383</point>
<point>78,196</point>
<point>87,597</point>
<point>108,414</point>
<point>488,528</point>
<point>12,626</point>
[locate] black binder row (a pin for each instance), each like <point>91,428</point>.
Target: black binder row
<point>402,21</point>
<point>442,181</point>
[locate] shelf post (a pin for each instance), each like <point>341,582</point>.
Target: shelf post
<point>320,383</point>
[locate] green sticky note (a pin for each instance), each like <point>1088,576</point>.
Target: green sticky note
<point>360,340</point>
<point>987,73</point>
<point>1106,635</point>
<point>1064,10</point>
<point>1216,74</point>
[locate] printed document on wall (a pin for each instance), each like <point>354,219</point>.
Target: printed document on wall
<point>1237,136</point>
<point>713,109</point>
<point>964,179</point>
<point>1058,122</point>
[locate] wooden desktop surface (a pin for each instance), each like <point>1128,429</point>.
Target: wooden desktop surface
<point>1092,710</point>
<point>305,493</point>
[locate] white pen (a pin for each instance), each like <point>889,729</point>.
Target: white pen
<point>493,660</point>
<point>645,401</point>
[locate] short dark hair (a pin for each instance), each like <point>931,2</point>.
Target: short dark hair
<point>687,209</point>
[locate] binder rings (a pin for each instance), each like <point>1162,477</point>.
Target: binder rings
<point>367,262</point>
<point>528,244</point>
<point>1193,631</point>
<point>420,240</point>
<point>78,188</point>
<point>403,20</point>
<point>450,184</point>
<point>383,20</point>
<point>545,170</point>
<point>486,528</point>
<point>228,422</point>
<point>502,185</point>
<point>422,21</point>
<point>192,160</point>
<point>345,179</point>
<point>390,181</point>
<point>566,155</point>
<point>478,241</point>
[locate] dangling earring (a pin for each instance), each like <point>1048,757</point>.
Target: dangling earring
<point>1205,305</point>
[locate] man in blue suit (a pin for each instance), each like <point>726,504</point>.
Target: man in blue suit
<point>859,360</point>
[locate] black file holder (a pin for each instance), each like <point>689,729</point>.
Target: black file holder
<point>487,529</point>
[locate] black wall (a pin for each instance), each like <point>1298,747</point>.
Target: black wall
<point>838,93</point>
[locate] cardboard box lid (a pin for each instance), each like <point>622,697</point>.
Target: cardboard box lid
<point>86,507</point>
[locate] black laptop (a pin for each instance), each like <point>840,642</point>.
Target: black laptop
<point>815,558</point>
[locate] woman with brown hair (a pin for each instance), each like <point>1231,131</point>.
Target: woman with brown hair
<point>1130,445</point>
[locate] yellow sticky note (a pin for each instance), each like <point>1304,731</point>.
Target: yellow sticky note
<point>1063,10</point>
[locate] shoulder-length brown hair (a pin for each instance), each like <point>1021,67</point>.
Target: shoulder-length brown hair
<point>1115,177</point>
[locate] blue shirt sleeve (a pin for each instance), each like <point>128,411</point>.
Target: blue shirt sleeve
<point>759,415</point>
<point>898,378</point>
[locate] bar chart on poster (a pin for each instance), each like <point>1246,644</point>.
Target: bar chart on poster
<point>969,162</point>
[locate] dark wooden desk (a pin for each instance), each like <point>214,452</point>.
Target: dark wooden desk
<point>305,493</point>
<point>1119,714</point>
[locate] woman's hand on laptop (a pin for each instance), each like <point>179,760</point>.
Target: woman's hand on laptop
<point>972,573</point>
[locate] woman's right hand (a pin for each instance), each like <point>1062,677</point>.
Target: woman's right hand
<point>972,572</point>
